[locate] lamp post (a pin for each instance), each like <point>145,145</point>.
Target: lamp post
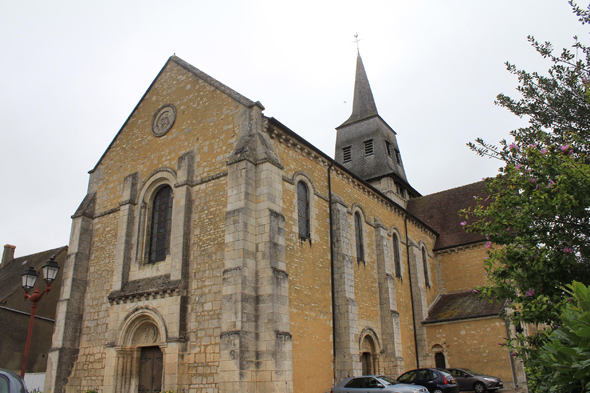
<point>29,277</point>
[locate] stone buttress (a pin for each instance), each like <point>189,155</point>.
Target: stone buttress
<point>346,358</point>
<point>391,359</point>
<point>70,308</point>
<point>255,347</point>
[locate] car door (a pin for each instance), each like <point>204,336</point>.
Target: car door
<point>426,378</point>
<point>409,377</point>
<point>363,385</point>
<point>460,378</point>
<point>373,385</point>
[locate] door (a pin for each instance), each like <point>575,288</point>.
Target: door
<point>426,378</point>
<point>366,363</point>
<point>439,360</point>
<point>150,370</point>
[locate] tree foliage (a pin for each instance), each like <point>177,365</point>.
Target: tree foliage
<point>563,363</point>
<point>537,215</point>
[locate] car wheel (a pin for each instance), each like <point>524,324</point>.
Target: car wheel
<point>479,387</point>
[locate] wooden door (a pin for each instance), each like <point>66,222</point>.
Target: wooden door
<point>439,360</point>
<point>367,363</point>
<point>150,370</point>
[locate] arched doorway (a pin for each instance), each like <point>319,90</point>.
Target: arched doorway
<point>140,353</point>
<point>368,360</point>
<point>439,357</point>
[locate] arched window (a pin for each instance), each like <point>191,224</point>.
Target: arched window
<point>425,262</point>
<point>358,229</point>
<point>396,256</point>
<point>303,210</point>
<point>160,225</point>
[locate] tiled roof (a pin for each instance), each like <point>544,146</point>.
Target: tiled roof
<point>10,275</point>
<point>462,305</point>
<point>441,212</point>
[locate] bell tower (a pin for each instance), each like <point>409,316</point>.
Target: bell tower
<point>367,146</point>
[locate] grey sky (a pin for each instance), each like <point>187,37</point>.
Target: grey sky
<point>72,71</point>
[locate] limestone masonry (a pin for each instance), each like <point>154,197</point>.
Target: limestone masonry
<point>218,251</point>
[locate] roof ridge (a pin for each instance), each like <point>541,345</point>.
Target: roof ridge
<point>453,188</point>
<point>215,83</point>
<point>56,251</point>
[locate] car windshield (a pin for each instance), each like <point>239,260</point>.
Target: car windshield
<point>388,380</point>
<point>472,372</point>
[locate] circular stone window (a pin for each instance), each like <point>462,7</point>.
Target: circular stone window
<point>163,120</point>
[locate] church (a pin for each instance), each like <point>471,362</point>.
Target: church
<point>216,250</point>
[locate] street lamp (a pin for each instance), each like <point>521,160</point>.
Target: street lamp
<point>29,277</point>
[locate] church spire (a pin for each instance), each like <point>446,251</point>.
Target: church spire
<point>363,105</point>
<point>367,146</point>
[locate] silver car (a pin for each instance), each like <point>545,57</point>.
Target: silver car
<point>11,382</point>
<point>375,383</point>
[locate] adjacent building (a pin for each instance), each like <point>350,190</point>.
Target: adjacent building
<point>15,313</point>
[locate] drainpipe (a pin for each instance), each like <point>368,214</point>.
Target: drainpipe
<point>512,367</point>
<point>332,268</point>
<point>411,292</point>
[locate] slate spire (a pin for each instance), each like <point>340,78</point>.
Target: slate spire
<point>363,105</point>
<point>367,146</point>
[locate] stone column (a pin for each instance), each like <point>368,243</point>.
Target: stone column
<point>347,362</point>
<point>125,363</point>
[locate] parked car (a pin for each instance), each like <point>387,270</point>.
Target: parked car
<point>436,380</point>
<point>375,383</point>
<point>11,382</point>
<point>473,380</point>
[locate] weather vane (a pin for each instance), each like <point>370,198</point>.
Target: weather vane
<point>356,40</point>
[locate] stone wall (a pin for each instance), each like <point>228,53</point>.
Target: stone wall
<point>473,344</point>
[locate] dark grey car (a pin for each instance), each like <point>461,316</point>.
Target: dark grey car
<point>11,382</point>
<point>476,381</point>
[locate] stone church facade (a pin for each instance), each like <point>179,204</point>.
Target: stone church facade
<point>218,251</point>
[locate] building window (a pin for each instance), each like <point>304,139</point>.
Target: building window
<point>396,257</point>
<point>425,262</point>
<point>160,225</point>
<point>303,210</point>
<point>398,157</point>
<point>369,147</point>
<point>388,147</point>
<point>346,154</point>
<point>358,229</point>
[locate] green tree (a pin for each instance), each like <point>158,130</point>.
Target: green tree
<point>537,215</point>
<point>563,363</point>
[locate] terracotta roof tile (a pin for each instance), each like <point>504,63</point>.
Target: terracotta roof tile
<point>441,212</point>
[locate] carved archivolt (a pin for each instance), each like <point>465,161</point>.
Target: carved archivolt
<point>143,326</point>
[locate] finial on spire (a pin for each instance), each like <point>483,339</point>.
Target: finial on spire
<point>356,40</point>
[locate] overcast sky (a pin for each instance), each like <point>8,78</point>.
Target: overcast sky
<point>72,72</point>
